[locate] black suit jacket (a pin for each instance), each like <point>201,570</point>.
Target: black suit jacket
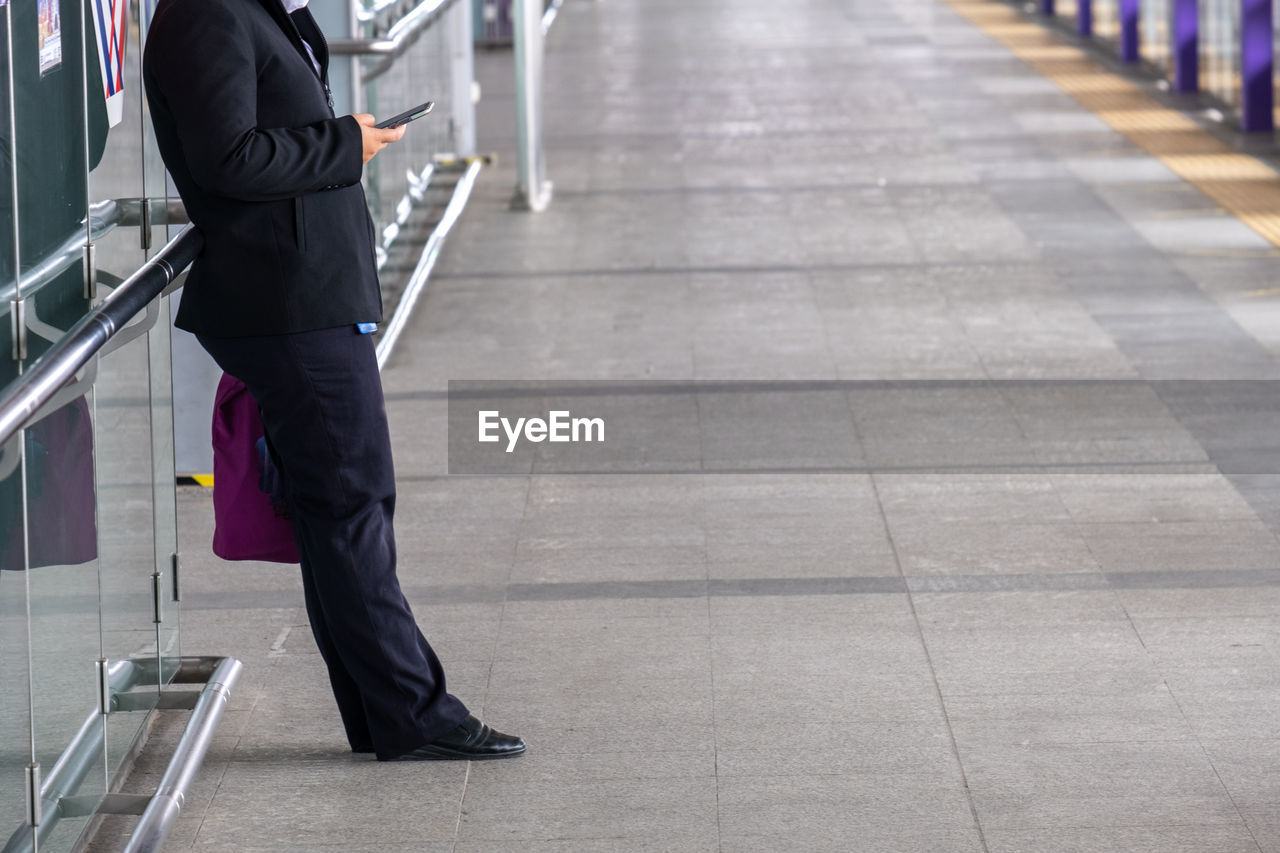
<point>266,171</point>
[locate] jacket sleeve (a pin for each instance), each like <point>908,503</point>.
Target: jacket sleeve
<point>206,72</point>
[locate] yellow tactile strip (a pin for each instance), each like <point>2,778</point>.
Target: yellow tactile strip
<point>1239,183</point>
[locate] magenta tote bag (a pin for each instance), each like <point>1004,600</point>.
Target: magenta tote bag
<point>247,524</point>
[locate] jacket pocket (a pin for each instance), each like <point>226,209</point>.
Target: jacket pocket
<point>299,224</point>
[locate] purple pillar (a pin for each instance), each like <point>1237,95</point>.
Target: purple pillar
<point>1046,7</point>
<point>1186,46</point>
<point>1257,98</point>
<point>1130,50</point>
<point>1084,17</point>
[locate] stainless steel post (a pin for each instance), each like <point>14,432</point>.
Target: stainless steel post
<point>533,191</point>
<point>463,77</point>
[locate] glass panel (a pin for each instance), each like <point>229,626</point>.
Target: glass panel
<point>399,204</point>
<point>15,708</point>
<point>159,350</point>
<point>62,575</point>
<point>163,484</point>
<point>1275,23</point>
<point>97,525</point>
<point>1220,49</point>
<point>52,139</point>
<point>15,698</point>
<point>126,513</point>
<point>1106,19</point>
<point>1156,32</point>
<point>127,475</point>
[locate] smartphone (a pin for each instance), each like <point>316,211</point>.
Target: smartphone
<point>407,116</point>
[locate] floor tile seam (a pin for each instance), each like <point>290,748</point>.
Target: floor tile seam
<point>1217,774</point>
<point>730,270</point>
<point>969,333</point>
<point>209,807</point>
<point>1263,192</point>
<point>711,667</point>
<point>1187,724</point>
<point>1177,467</point>
<point>933,672</point>
<point>828,344</point>
<point>493,660</point>
<point>1037,827</point>
<point>772,189</point>
<point>1130,692</point>
<point>991,583</point>
<point>462,800</point>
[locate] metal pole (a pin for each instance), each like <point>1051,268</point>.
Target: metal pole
<point>462,73</point>
<point>1186,46</point>
<point>1130,44</point>
<point>1257,64</point>
<point>165,806</point>
<point>533,191</point>
<point>1084,17</point>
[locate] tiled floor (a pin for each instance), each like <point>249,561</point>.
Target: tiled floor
<point>936,644</point>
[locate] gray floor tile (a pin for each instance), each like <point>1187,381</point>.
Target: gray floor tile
<point>926,548</point>
<point>1117,784</point>
<point>405,808</point>
<point>1263,827</point>
<point>971,498</point>
<point>822,808</point>
<point>897,839</point>
<point>593,845</point>
<point>1139,714</point>
<point>943,611</point>
<point>1181,546</point>
<point>676,811</point>
<point>1123,839</point>
<point>1203,602</point>
<point>1161,498</point>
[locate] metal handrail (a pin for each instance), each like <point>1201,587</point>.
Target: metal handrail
<point>166,804</point>
<point>58,792</point>
<point>104,217</point>
<point>399,37</point>
<point>427,261</point>
<point>549,16</point>
<point>24,397</point>
<point>364,14</point>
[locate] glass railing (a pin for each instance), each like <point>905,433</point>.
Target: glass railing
<point>1155,34</point>
<point>88,511</point>
<point>1220,50</point>
<point>1106,20</point>
<point>87,500</point>
<point>63,791</point>
<point>401,54</point>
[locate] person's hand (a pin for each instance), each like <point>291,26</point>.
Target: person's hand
<point>375,139</point>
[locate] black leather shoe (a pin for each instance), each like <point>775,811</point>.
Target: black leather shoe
<point>472,740</point>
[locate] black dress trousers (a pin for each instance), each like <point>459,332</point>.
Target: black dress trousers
<point>321,401</point>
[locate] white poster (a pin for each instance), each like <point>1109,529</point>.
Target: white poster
<point>109,27</point>
<point>50,35</point>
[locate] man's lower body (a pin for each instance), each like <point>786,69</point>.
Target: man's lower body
<point>321,402</point>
